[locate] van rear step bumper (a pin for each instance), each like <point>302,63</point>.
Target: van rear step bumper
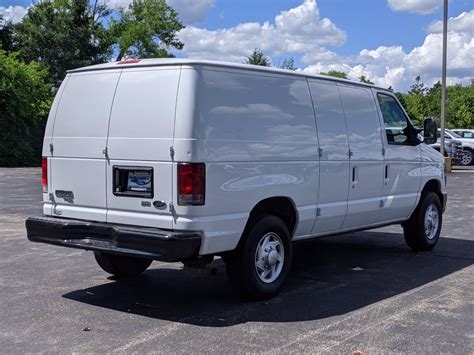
<point>152,243</point>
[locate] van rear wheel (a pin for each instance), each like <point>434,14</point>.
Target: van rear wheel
<point>423,228</point>
<point>122,266</point>
<point>259,266</point>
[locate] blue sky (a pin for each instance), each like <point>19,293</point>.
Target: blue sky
<point>389,41</point>
<point>368,23</point>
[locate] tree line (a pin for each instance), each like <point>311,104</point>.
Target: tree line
<point>59,35</point>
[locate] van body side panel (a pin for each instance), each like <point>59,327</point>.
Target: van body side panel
<point>140,136</point>
<point>48,133</point>
<point>78,165</point>
<point>257,135</point>
<point>432,168</point>
<point>47,140</point>
<point>334,160</point>
<point>366,162</point>
<point>402,186</point>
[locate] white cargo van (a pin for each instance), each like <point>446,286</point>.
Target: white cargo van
<point>183,160</point>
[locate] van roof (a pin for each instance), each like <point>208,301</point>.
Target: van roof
<point>134,63</point>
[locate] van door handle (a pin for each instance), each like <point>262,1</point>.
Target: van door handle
<point>387,171</point>
<point>355,171</point>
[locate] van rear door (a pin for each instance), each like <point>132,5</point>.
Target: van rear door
<point>77,165</point>
<point>139,169</point>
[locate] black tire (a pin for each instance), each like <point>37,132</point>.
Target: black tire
<point>241,263</point>
<point>416,235</point>
<point>122,266</point>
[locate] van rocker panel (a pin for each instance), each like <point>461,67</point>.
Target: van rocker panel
<point>152,243</point>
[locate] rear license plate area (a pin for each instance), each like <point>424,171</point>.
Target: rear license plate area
<point>132,181</point>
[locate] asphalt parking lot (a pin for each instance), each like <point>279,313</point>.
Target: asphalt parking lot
<point>362,291</point>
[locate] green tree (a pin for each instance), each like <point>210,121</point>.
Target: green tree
<point>6,35</point>
<point>147,28</point>
<point>463,117</point>
<point>258,58</point>
<point>288,63</point>
<point>415,102</point>
<point>364,79</point>
<point>335,73</point>
<point>414,107</point>
<point>25,98</point>
<point>418,87</point>
<point>460,106</point>
<point>63,35</point>
<point>423,101</point>
<point>432,101</point>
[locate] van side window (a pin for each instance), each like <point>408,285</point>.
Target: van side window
<point>395,120</point>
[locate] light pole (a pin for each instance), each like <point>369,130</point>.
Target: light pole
<point>443,73</point>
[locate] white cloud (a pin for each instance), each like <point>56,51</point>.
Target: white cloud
<point>303,24</point>
<point>391,56</point>
<point>423,7</point>
<point>13,13</point>
<point>116,4</point>
<point>190,11</point>
<point>462,23</point>
<point>392,66</point>
<point>302,31</point>
<point>319,54</point>
<point>298,30</point>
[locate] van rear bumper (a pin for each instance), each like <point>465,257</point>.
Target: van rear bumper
<point>152,243</point>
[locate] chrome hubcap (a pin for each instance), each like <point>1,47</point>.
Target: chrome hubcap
<point>431,221</point>
<point>269,257</point>
<point>466,158</point>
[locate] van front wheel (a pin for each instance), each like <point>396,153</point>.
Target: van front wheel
<point>261,263</point>
<point>121,266</point>
<point>423,228</point>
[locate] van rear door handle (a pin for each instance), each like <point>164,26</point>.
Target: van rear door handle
<point>387,171</point>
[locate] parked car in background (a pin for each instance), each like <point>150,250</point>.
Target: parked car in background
<point>464,133</point>
<point>453,148</point>
<point>467,156</point>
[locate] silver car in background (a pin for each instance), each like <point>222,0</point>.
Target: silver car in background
<point>464,133</point>
<point>453,148</point>
<point>466,136</point>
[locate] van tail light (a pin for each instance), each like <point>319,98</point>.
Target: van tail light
<point>44,174</point>
<point>191,183</point>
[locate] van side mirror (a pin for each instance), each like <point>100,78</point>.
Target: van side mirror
<point>430,131</point>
